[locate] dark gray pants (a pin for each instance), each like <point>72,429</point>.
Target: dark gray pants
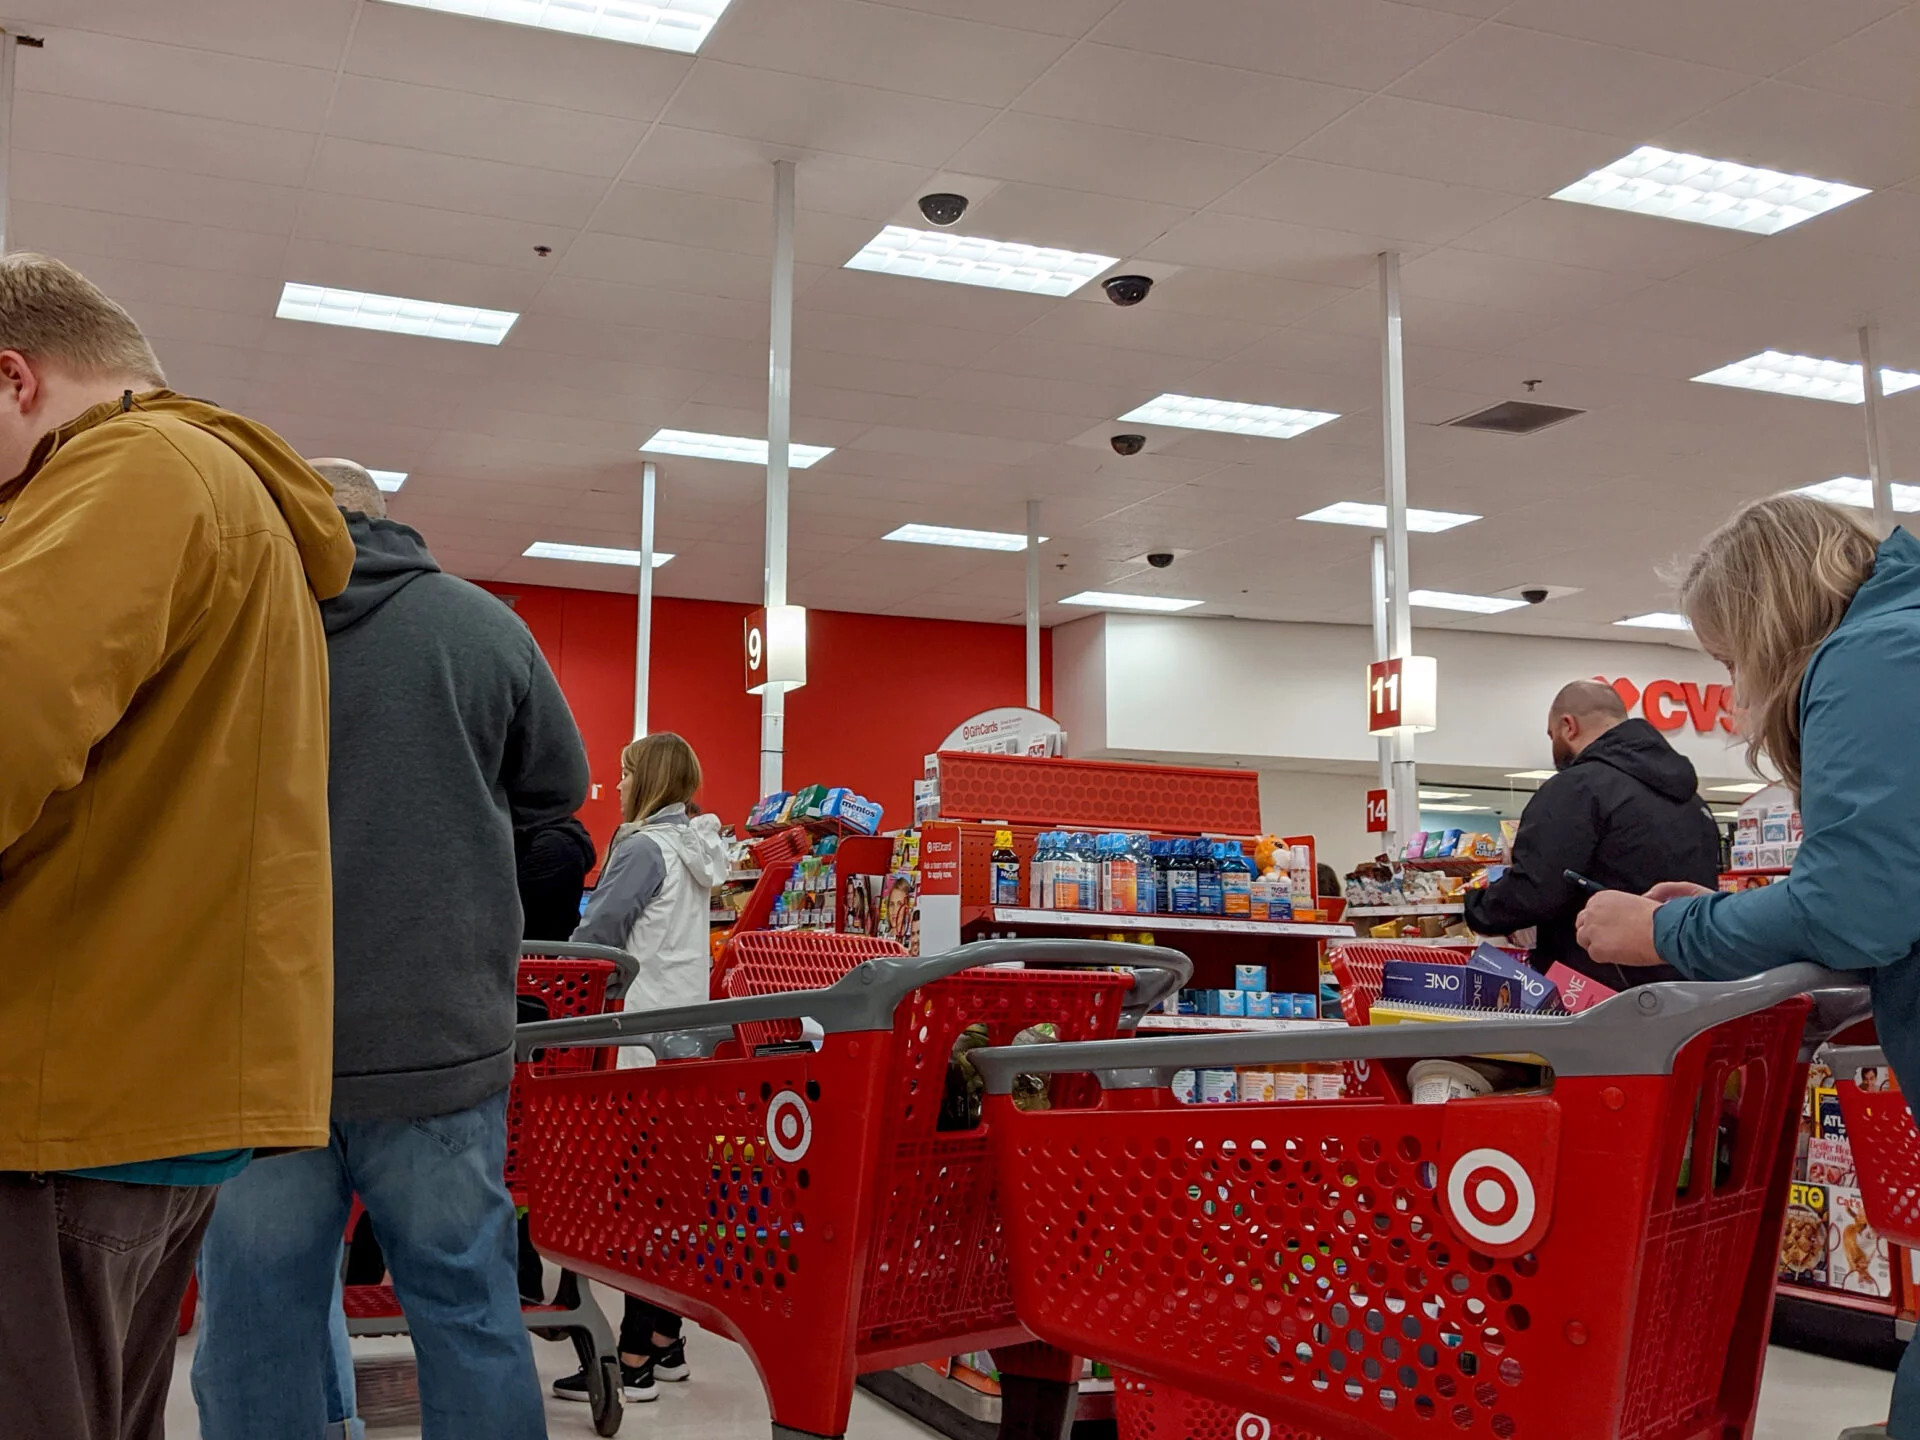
<point>91,1277</point>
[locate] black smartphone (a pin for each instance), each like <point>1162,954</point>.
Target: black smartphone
<point>1582,883</point>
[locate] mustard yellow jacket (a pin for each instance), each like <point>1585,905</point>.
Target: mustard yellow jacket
<point>166,912</point>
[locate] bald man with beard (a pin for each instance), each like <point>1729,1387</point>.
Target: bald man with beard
<point>1624,810</point>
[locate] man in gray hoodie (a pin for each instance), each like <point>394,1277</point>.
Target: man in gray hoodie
<point>448,731</point>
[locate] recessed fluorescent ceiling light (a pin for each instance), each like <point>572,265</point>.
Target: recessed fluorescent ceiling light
<point>960,539</point>
<point>1656,620</point>
<point>591,554</point>
<point>363,311</point>
<point>1464,809</point>
<point>664,24</point>
<point>1858,492</point>
<point>974,260</point>
<point>1106,600</point>
<point>1374,517</point>
<point>1726,814</point>
<point>1805,375</point>
<point>1229,417</point>
<point>1443,794</point>
<point>1677,186</point>
<point>1474,604</point>
<point>1531,774</point>
<point>389,480</point>
<point>1745,787</point>
<point>738,448</point>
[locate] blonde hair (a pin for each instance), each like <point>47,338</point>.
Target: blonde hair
<point>665,772</point>
<point>1765,589</point>
<point>50,311</point>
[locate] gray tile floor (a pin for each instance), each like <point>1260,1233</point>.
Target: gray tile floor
<point>1803,1398</point>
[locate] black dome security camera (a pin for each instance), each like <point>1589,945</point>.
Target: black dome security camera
<point>1160,559</point>
<point>1128,444</point>
<point>1127,289</point>
<point>1534,594</point>
<point>944,208</point>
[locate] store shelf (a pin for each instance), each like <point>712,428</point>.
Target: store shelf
<point>1866,1304</point>
<point>1382,912</point>
<point>1093,920</point>
<point>737,876</point>
<point>719,916</point>
<point>1229,1024</point>
<point>1760,870</point>
<point>1462,864</point>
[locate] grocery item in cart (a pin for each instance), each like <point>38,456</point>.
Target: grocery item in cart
<point>1434,1082</point>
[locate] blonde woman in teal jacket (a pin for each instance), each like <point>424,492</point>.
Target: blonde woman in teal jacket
<point>1820,627</point>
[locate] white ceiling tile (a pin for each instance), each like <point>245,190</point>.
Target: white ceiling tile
<point>1051,17</point>
<point>1339,258</point>
<point>1439,142</point>
<point>1602,239</point>
<point>1425,321</point>
<point>809,114</point>
<point>1065,396</point>
<point>1862,286</point>
<point>1505,282</point>
<point>294,32</point>
<point>1529,75</point>
<point>118,188</point>
<point>88,65</point>
<point>434,233</point>
<point>596,339</point>
<point>58,125</point>
<point>1069,219</point>
<point>710,164</point>
<point>916,301</point>
<point>1140,327</point>
<point>879,377</point>
<point>387,112</point>
<point>1881,62</point>
<point>1213,104</point>
<point>1361,43</point>
<point>861,335</point>
<point>513,62</point>
<point>1193,290</point>
<point>709,325</point>
<point>999,422</point>
<point>1757,36</point>
<point>697,269</point>
<point>1806,132</point>
<point>454,182</point>
<point>1151,371</point>
<point>386,272</point>
<point>684,217</point>
<point>181,264</point>
<point>1368,202</point>
<point>900,440</point>
<point>863,44</point>
<point>811,401</point>
<point>1106,161</point>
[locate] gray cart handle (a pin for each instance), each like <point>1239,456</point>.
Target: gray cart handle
<point>625,967</point>
<point>1636,1033</point>
<point>1847,1060</point>
<point>864,998</point>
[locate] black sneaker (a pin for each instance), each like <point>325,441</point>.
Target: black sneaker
<point>669,1362</point>
<point>636,1384</point>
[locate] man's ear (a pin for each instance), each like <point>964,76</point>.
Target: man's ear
<point>17,377</point>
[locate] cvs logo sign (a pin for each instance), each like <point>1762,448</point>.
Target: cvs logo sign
<point>1669,704</point>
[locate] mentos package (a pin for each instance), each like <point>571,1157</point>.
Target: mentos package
<point>1536,993</point>
<point>1577,991</point>
<point>1435,983</point>
<point>855,811</point>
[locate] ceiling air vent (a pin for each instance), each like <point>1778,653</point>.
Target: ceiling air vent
<point>1515,417</point>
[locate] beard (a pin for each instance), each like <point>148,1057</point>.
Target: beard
<point>1563,755</point>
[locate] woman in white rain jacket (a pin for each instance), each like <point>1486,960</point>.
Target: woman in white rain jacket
<point>653,900</point>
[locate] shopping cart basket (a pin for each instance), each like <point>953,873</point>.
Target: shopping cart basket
<point>801,1196</point>
<point>568,980</point>
<point>1885,1144</point>
<point>1592,1261</point>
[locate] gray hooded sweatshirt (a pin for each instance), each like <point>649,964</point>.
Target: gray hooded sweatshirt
<point>449,731</point>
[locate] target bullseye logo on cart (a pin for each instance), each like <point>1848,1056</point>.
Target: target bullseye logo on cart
<point>1252,1427</point>
<point>1491,1196</point>
<point>789,1126</point>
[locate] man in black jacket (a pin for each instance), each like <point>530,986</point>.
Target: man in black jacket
<point>553,861</point>
<point>1623,811</point>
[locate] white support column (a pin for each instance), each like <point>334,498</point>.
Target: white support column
<point>773,702</point>
<point>1382,650</point>
<point>643,618</point>
<point>1403,798</point>
<point>1033,604</point>
<point>9,43</point>
<point>1879,467</point>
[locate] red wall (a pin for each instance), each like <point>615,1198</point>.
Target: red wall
<point>882,691</point>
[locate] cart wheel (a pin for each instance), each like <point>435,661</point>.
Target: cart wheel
<point>603,1395</point>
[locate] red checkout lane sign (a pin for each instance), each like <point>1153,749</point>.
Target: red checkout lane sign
<point>1384,697</point>
<point>1376,812</point>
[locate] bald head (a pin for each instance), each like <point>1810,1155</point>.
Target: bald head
<point>353,487</point>
<point>1581,713</point>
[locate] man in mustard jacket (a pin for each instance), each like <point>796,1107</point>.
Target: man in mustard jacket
<point>165,895</point>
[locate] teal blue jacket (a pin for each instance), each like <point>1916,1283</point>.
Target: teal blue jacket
<point>1849,902</point>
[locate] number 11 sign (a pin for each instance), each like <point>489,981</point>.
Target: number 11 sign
<point>1402,694</point>
<point>1383,696</point>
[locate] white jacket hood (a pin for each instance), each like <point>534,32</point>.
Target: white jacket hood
<point>697,844</point>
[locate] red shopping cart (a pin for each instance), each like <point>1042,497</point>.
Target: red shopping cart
<point>1885,1143</point>
<point>803,1195</point>
<point>1594,1260</point>
<point>564,980</point>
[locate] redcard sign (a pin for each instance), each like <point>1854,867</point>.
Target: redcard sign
<point>1376,812</point>
<point>1383,696</point>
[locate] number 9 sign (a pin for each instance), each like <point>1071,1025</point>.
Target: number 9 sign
<point>756,650</point>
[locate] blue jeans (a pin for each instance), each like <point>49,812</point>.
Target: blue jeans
<point>267,1364</point>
